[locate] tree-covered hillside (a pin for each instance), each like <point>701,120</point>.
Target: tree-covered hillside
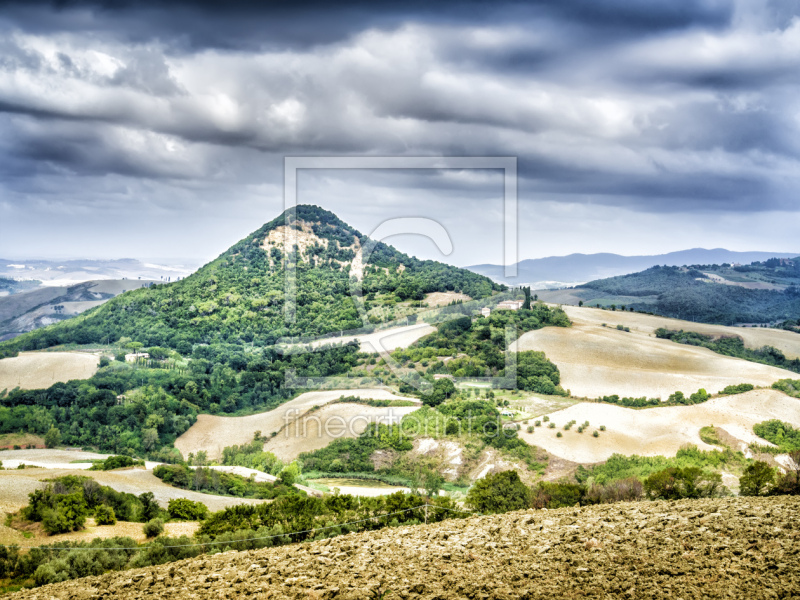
<point>686,293</point>
<point>239,297</point>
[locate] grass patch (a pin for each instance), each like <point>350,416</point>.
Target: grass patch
<point>710,436</point>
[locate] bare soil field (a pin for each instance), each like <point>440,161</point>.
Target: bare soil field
<point>35,370</point>
<point>718,548</point>
<point>9,440</point>
<point>787,342</point>
<point>334,421</point>
<point>660,430</point>
<point>445,298</point>
<point>213,433</point>
<point>384,340</point>
<point>596,361</point>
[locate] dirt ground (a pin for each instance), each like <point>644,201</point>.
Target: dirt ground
<point>331,422</point>
<point>384,340</point>
<point>660,430</point>
<point>212,433</point>
<point>38,370</point>
<point>787,342</point>
<point>445,298</point>
<point>714,548</point>
<point>597,361</point>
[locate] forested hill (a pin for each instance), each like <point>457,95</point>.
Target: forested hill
<point>688,293</point>
<point>239,297</point>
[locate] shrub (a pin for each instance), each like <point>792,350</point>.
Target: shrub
<point>557,495</point>
<point>545,418</point>
<point>551,425</point>
<point>530,428</point>
<point>757,479</point>
<point>187,510</point>
<point>737,389</point>
<point>602,427</point>
<point>675,483</point>
<point>153,528</point>
<point>596,433</point>
<point>499,493</point>
<point>559,434</point>
<point>104,515</point>
<point>52,438</point>
<point>538,423</point>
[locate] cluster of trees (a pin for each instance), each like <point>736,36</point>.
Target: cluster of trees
<point>676,292</point>
<point>477,348</point>
<point>675,399</point>
<point>204,479</point>
<point>783,435</point>
<point>346,455</point>
<point>504,491</point>
<point>293,518</point>
<point>65,503</point>
<point>141,411</point>
<point>731,346</point>
<point>790,387</point>
<point>760,479</point>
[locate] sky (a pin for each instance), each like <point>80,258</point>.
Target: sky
<point>159,131</point>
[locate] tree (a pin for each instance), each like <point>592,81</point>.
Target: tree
<point>757,479</point>
<point>153,528</point>
<point>104,515</point>
<point>499,493</point>
<point>52,438</point>
<point>580,302</point>
<point>527,303</point>
<point>150,509</point>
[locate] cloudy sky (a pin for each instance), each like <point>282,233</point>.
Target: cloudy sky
<point>639,126</point>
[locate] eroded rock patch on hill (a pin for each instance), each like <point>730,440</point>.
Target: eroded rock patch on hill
<point>716,548</point>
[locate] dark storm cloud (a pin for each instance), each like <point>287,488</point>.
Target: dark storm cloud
<point>671,106</point>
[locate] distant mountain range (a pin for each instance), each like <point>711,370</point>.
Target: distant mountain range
<point>71,272</point>
<point>559,271</point>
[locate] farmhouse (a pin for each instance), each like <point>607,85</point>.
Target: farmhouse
<point>133,357</point>
<point>486,311</point>
<point>510,305</point>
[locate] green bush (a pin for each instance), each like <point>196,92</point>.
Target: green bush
<point>783,435</point>
<point>104,515</point>
<point>52,438</point>
<point>675,483</point>
<point>153,528</point>
<point>737,389</point>
<point>187,510</point>
<point>498,493</point>
<point>757,480</point>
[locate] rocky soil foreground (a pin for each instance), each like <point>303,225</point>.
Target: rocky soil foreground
<point>717,548</point>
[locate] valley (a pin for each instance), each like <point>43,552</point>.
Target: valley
<point>429,384</point>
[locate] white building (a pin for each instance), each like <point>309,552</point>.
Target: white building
<point>486,311</point>
<point>510,305</point>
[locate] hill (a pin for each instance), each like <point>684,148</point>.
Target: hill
<point>712,548</point>
<point>239,297</point>
<point>706,293</point>
<point>575,268</point>
<point>45,305</point>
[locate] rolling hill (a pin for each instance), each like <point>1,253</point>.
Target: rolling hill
<point>239,297</point>
<point>578,268</point>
